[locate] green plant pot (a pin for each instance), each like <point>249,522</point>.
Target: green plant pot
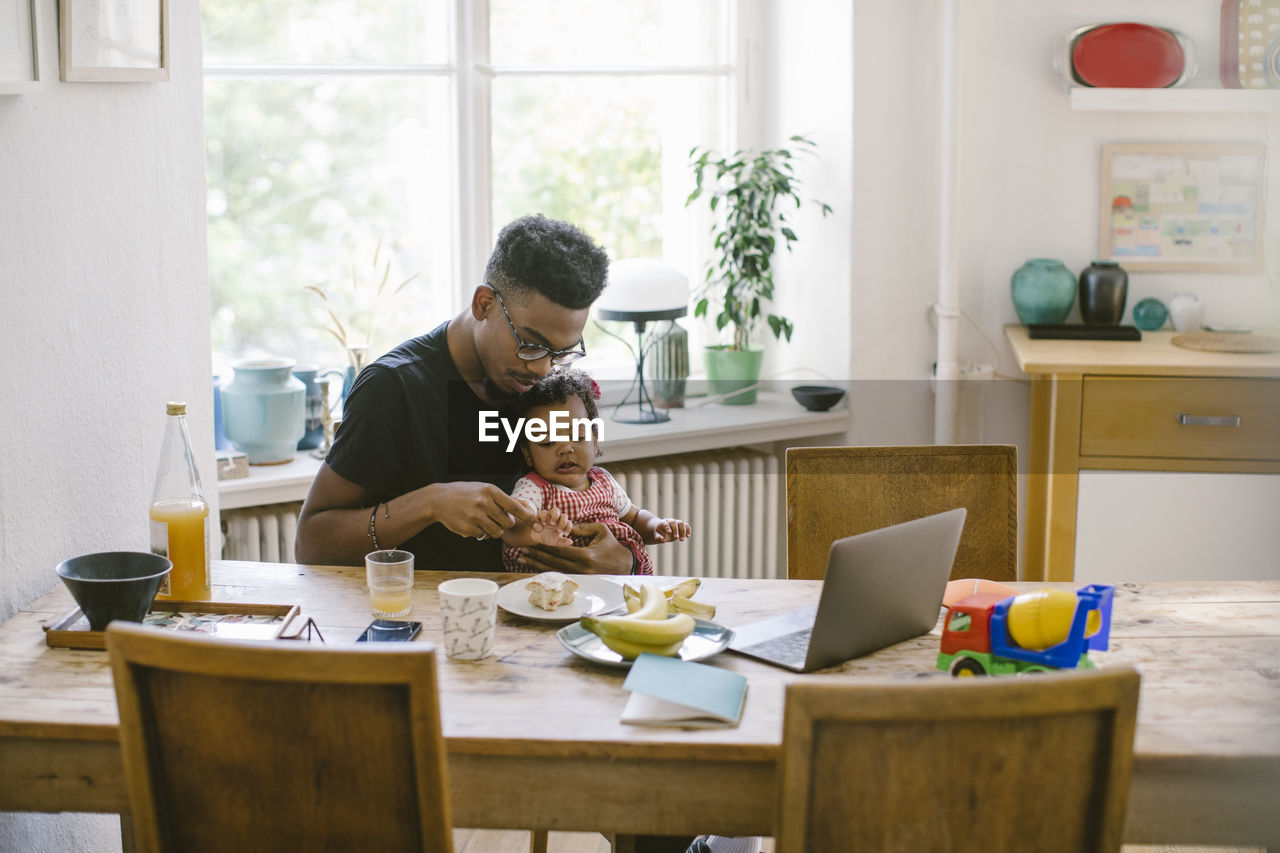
<point>730,369</point>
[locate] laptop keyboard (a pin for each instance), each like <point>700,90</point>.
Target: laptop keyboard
<point>791,649</point>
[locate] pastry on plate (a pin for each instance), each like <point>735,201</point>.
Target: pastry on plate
<point>549,590</point>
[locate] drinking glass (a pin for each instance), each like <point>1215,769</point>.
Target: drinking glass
<point>390,577</point>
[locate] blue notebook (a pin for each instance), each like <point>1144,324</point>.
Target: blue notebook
<point>667,691</point>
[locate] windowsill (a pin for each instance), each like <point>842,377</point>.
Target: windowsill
<point>774,417</point>
<point>270,484</point>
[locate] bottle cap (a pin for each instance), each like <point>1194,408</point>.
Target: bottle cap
<point>177,407</point>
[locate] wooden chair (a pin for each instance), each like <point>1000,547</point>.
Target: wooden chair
<point>249,746</point>
<point>989,764</point>
<point>833,492</point>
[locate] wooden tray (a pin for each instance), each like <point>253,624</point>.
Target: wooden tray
<point>230,620</point>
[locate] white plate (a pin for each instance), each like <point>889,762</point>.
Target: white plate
<point>594,595</point>
<point>707,639</point>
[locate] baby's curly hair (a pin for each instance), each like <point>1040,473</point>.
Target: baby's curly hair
<point>553,388</point>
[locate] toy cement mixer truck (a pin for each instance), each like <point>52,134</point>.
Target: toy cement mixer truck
<point>1034,632</point>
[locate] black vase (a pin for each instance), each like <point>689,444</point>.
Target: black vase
<point>1103,288</point>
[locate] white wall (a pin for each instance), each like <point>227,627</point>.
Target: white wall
<point>104,315</point>
<point>895,223</point>
<point>1027,184</point>
<point>1029,165</point>
<point>808,85</point>
<point>1028,169</point>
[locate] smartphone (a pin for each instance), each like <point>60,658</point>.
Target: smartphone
<point>389,631</point>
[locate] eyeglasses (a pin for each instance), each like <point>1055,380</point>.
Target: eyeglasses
<point>533,352</point>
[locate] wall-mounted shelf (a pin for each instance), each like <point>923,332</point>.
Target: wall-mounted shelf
<point>1176,100</point>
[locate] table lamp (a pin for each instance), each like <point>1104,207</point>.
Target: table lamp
<point>640,291</point>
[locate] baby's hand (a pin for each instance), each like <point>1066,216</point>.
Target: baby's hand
<point>551,527</point>
<point>671,530</point>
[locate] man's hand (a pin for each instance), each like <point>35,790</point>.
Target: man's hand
<point>601,555</point>
<point>477,510</point>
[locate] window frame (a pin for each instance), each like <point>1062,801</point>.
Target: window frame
<point>471,97</point>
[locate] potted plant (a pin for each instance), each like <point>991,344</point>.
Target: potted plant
<point>744,192</point>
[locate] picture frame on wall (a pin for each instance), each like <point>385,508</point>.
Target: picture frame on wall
<point>121,41</point>
<point>1182,206</point>
<point>19,47</point>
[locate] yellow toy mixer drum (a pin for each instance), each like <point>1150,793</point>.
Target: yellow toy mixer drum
<point>1038,620</point>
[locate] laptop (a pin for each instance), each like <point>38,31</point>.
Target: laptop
<point>881,587</point>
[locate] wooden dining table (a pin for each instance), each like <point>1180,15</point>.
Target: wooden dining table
<point>535,740</point>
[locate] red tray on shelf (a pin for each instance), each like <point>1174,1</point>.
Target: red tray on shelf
<point>1129,55</point>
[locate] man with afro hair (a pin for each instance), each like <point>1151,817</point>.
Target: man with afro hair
<point>407,468</point>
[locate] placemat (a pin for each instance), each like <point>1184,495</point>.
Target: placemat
<point>1228,342</point>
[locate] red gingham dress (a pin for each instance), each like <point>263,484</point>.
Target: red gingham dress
<point>603,501</point>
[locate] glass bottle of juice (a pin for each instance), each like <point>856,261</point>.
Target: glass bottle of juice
<point>180,513</point>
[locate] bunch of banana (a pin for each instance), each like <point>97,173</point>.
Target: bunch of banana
<point>647,629</point>
<point>679,599</point>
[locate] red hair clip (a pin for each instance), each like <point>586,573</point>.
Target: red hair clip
<point>595,390</point>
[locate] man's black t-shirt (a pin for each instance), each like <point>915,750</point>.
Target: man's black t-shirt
<point>412,420</point>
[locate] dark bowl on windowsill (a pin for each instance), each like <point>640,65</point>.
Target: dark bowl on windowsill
<point>817,398</point>
<point>114,584</point>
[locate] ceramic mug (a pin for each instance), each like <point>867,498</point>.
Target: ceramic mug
<point>469,615</point>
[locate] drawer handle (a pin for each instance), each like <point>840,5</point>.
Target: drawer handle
<point>1204,420</point>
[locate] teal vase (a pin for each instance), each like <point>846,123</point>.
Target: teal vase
<point>1043,291</point>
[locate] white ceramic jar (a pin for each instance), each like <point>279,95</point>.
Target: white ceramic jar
<point>264,409</point>
<point>1187,312</point>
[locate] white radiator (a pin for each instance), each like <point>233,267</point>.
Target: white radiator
<point>730,499</point>
<point>263,533</point>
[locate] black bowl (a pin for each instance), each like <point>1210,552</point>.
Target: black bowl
<point>114,584</point>
<point>817,398</point>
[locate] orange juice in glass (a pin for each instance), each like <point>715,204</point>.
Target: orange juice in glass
<point>389,574</point>
<point>180,531</point>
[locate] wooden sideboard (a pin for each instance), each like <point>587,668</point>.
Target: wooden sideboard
<point>1142,405</point>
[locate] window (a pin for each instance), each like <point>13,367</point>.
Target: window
<point>960,621</point>
<point>414,129</point>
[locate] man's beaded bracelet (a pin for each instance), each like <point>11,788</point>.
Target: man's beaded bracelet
<point>373,517</point>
